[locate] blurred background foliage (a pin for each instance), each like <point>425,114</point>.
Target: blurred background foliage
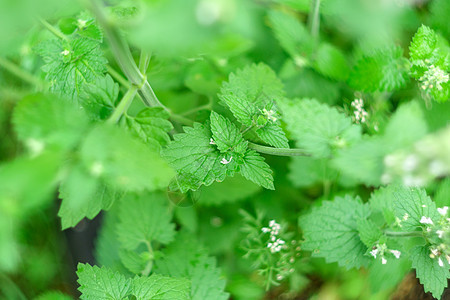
<point>195,44</point>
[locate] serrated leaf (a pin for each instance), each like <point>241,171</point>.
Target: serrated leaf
<point>331,62</point>
<point>143,219</point>
<point>383,70</point>
<point>151,125</point>
<point>186,258</point>
<point>42,121</point>
<point>416,204</point>
<point>84,196</point>
<point>255,169</point>
<point>102,283</point>
<point>99,98</point>
<point>331,232</point>
<point>368,231</point>
<point>87,27</point>
<point>431,275</point>
<point>382,200</point>
<point>249,90</point>
<point>292,35</point>
<point>318,128</point>
<point>195,159</point>
<point>273,135</point>
<point>70,64</point>
<point>226,135</point>
<point>157,287</point>
<point>106,154</point>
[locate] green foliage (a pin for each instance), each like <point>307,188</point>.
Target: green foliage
<point>186,258</point>
<point>331,231</point>
<point>151,126</point>
<point>69,64</point>
<point>103,283</point>
<point>384,70</point>
<point>431,275</point>
<point>318,128</point>
<point>331,62</point>
<point>99,97</point>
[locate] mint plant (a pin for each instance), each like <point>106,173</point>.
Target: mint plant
<point>230,149</point>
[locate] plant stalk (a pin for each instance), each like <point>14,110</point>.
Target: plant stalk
<point>17,71</point>
<point>314,19</point>
<point>277,151</point>
<point>123,105</point>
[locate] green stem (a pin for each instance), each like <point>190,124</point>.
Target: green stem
<point>148,268</point>
<point>123,105</point>
<point>247,129</point>
<point>53,30</point>
<point>313,19</point>
<point>181,119</point>
<point>14,69</point>
<point>194,110</point>
<point>404,234</point>
<point>118,77</point>
<point>277,151</point>
<point>122,54</point>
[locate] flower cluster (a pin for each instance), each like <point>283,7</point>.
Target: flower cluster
<point>275,244</point>
<point>359,112</point>
<point>381,250</point>
<point>439,233</point>
<point>434,77</point>
<point>417,166</point>
<point>269,114</point>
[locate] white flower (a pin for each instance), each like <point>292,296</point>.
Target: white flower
<point>81,23</point>
<point>434,252</point>
<point>443,211</point>
<point>425,220</point>
<point>360,113</point>
<point>265,229</point>
<point>65,52</point>
<point>396,253</point>
<point>410,163</point>
<point>440,262</point>
<point>434,77</point>
<point>374,252</point>
<point>447,257</point>
<point>269,114</point>
<point>383,260</point>
<point>440,233</point>
<point>224,161</point>
<point>211,141</point>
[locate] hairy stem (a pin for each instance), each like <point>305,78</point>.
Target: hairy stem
<point>404,234</point>
<point>122,54</point>
<point>196,109</point>
<point>123,105</point>
<point>144,61</point>
<point>118,77</point>
<point>277,151</point>
<point>148,268</point>
<point>313,19</point>
<point>17,71</point>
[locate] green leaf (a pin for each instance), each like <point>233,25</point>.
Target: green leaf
<point>331,62</point>
<point>84,196</point>
<point>71,64</point>
<point>331,232</point>
<point>186,258</point>
<point>249,90</point>
<point>318,128</point>
<point>382,200</point>
<point>383,70</point>
<point>431,275</point>
<point>292,35</point>
<point>273,134</point>
<point>143,219</point>
<point>226,135</point>
<point>368,231</point>
<point>99,98</point>
<point>42,121</point>
<point>195,159</point>
<point>232,189</point>
<point>255,169</point>
<point>416,204</point>
<point>102,283</point>
<point>106,154</point>
<point>161,288</point>
<point>306,171</point>
<point>151,125</point>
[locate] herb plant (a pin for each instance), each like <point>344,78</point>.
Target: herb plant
<point>234,149</point>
